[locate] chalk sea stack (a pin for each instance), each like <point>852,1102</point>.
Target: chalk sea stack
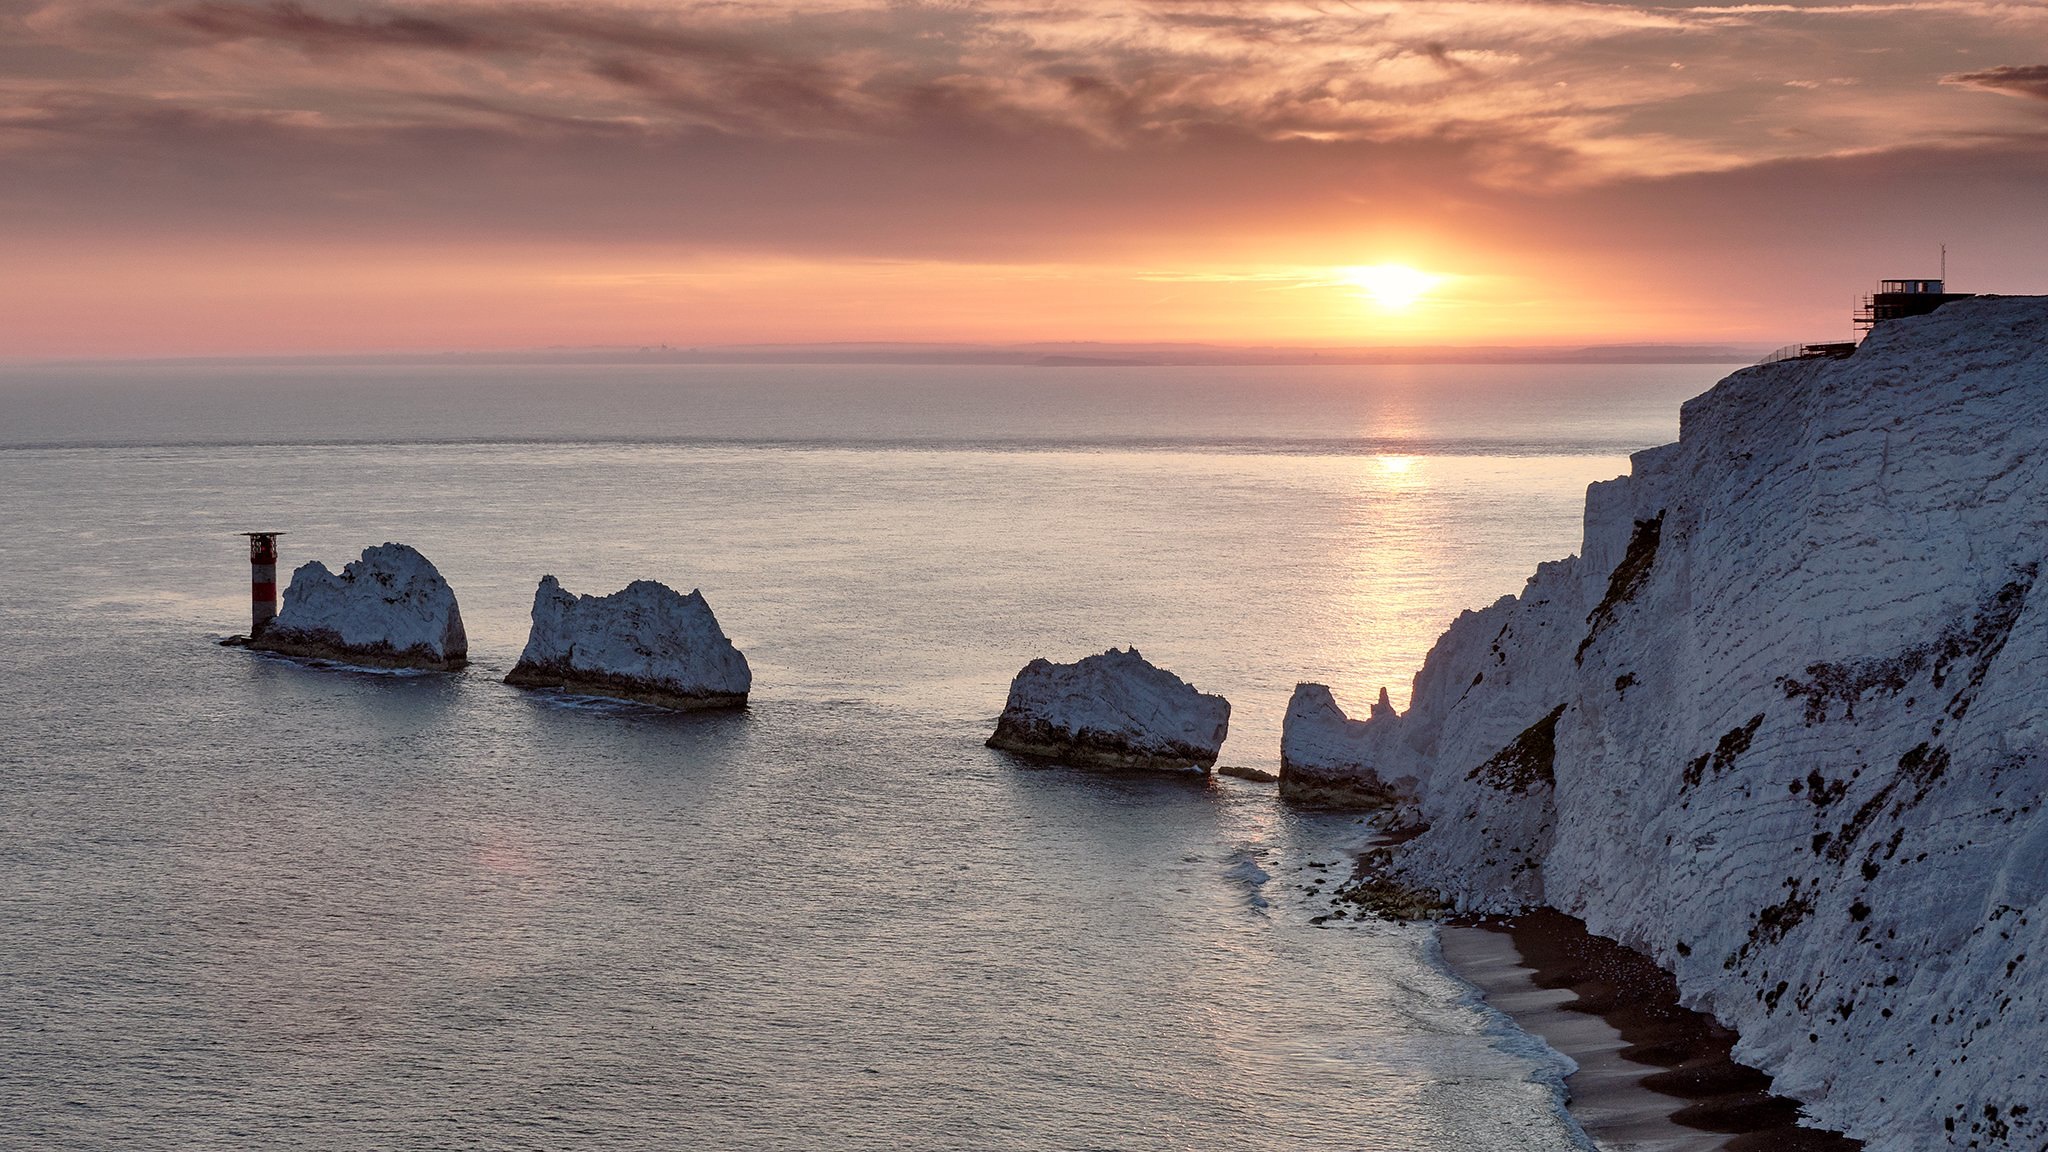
<point>1116,710</point>
<point>1783,725</point>
<point>389,609</point>
<point>646,642</point>
<point>1328,758</point>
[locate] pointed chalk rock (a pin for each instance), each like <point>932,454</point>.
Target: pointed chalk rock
<point>1328,758</point>
<point>390,609</point>
<point>645,642</point>
<point>1115,710</point>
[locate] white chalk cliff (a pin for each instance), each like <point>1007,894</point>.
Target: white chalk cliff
<point>1783,724</point>
<point>1115,710</point>
<point>645,642</point>
<point>389,609</point>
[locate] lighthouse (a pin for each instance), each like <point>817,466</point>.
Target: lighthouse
<point>262,580</point>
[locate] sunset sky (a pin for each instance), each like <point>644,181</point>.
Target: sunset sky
<point>219,176</point>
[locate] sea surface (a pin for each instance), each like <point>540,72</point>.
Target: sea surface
<point>247,902</point>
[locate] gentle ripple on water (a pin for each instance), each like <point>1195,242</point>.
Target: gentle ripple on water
<point>249,903</point>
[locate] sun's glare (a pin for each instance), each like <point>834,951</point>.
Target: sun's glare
<point>1391,286</point>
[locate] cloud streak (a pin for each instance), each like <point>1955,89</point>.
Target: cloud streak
<point>2029,80</point>
<point>1618,90</point>
<point>310,31</point>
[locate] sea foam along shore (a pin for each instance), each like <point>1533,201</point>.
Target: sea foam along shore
<point>1650,1073</point>
<point>1783,726</point>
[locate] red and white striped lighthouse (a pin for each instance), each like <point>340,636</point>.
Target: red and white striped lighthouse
<point>262,580</point>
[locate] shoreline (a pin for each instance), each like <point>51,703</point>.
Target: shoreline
<point>1654,1076</point>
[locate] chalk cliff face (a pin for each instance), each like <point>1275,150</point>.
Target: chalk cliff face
<point>1784,725</point>
<point>1116,710</point>
<point>389,609</point>
<point>645,642</point>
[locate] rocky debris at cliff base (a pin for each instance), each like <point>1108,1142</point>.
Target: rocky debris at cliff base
<point>388,609</point>
<point>1329,759</point>
<point>1115,710</point>
<point>646,642</point>
<point>1241,772</point>
<point>1374,888</point>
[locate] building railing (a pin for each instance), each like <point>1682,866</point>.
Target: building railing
<point>1823,351</point>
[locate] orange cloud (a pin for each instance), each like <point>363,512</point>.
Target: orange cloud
<point>1620,89</point>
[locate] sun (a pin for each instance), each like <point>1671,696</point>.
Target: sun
<point>1391,286</point>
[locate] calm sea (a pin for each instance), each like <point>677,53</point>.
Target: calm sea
<point>249,903</point>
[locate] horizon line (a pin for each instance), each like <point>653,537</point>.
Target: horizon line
<point>1035,353</point>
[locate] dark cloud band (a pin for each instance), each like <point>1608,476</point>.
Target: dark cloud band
<point>2018,80</point>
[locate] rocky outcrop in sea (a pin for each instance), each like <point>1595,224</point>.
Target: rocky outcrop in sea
<point>646,642</point>
<point>389,609</point>
<point>1327,758</point>
<point>1115,710</point>
<point>1783,725</point>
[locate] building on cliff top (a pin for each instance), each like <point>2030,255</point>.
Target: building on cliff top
<point>1897,299</point>
<point>1893,300</point>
